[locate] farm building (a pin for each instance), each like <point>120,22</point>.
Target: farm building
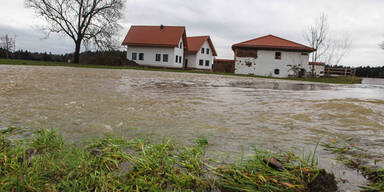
<point>201,53</point>
<point>271,56</point>
<point>168,46</point>
<point>318,68</point>
<point>157,46</point>
<point>223,65</point>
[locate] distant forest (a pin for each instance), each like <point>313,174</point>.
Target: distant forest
<point>26,55</point>
<point>114,58</point>
<point>118,58</point>
<point>373,72</point>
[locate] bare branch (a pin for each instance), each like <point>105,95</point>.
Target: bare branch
<point>317,36</point>
<point>8,44</point>
<point>338,49</point>
<point>84,21</point>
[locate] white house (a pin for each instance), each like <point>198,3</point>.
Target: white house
<point>271,56</point>
<point>318,68</point>
<point>201,53</point>
<point>158,46</point>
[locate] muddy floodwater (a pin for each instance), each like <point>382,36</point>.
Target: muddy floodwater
<point>234,113</point>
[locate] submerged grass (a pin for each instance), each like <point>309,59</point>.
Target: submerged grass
<point>46,163</point>
<point>335,80</point>
<point>353,157</point>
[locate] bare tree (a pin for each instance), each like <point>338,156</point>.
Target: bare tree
<point>84,21</point>
<point>316,36</point>
<point>329,48</point>
<point>337,49</point>
<point>8,44</point>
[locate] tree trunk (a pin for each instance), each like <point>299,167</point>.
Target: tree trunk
<point>76,55</point>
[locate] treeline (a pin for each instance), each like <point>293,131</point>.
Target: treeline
<point>27,55</point>
<point>373,72</point>
<point>115,58</point>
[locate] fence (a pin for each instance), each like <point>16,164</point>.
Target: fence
<point>338,71</point>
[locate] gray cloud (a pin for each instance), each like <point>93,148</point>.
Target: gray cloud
<point>36,41</point>
<point>230,22</point>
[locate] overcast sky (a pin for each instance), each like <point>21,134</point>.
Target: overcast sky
<point>227,22</point>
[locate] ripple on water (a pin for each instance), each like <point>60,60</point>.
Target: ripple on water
<point>236,113</point>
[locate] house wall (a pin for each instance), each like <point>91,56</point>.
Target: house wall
<point>265,63</point>
<point>319,69</point>
<point>150,56</point>
<point>223,65</point>
<point>179,52</point>
<point>193,60</point>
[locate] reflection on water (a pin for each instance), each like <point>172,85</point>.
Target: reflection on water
<point>235,113</point>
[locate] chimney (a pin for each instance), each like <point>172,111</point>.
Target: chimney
<point>161,26</point>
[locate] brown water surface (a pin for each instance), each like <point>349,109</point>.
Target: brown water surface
<point>235,113</point>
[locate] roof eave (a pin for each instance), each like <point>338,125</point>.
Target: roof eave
<point>149,45</point>
<point>274,48</point>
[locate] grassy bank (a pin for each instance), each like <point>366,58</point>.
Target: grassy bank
<point>338,80</point>
<point>356,158</point>
<point>45,162</point>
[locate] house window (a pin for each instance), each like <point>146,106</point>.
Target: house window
<point>141,56</point>
<point>134,56</point>
<point>201,62</point>
<point>202,50</point>
<point>181,45</point>
<point>277,71</point>
<point>278,55</point>
<point>180,58</point>
<point>158,57</point>
<point>177,58</point>
<point>165,57</point>
<point>207,51</point>
<point>207,63</point>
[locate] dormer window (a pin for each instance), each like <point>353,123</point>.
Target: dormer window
<point>202,50</point>
<point>278,55</point>
<point>207,51</point>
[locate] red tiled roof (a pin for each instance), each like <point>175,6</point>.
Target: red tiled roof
<point>195,43</point>
<point>154,36</point>
<point>274,43</point>
<point>317,63</point>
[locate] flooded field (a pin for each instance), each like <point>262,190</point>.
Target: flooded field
<point>235,113</point>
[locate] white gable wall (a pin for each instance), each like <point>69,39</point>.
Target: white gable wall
<point>265,64</point>
<point>318,69</point>
<point>194,60</point>
<point>180,53</point>
<point>150,56</point>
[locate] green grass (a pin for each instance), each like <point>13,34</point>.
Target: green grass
<point>45,162</point>
<point>336,80</point>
